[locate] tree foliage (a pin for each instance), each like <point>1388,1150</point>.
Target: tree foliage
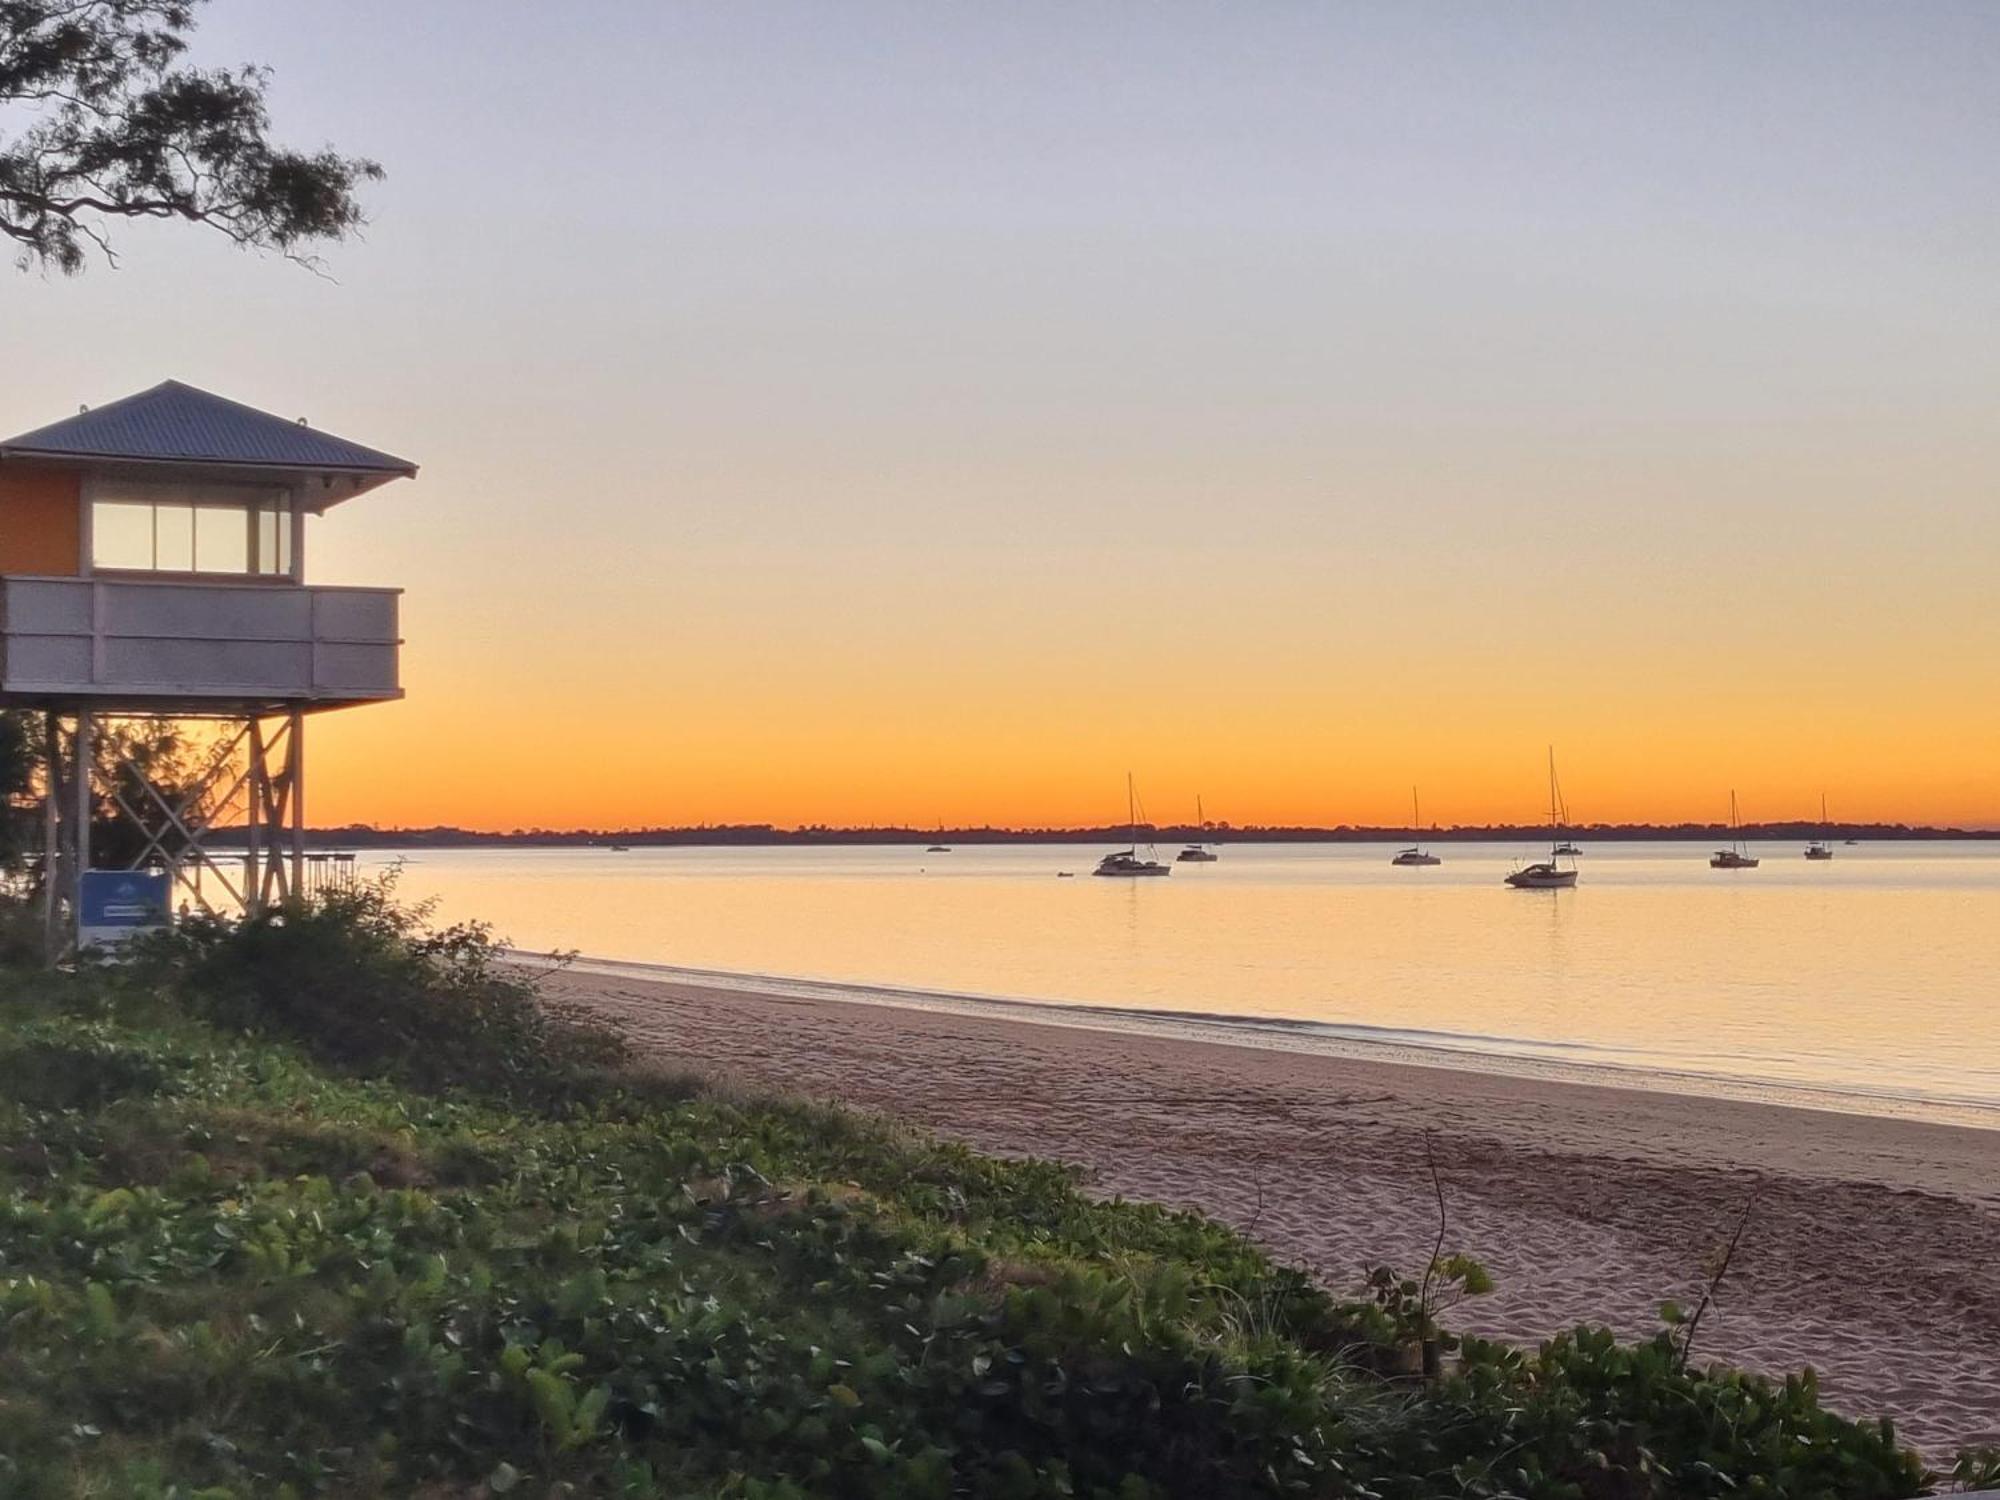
<point>100,121</point>
<point>20,766</point>
<point>130,756</point>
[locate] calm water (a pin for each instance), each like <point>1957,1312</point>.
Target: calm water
<point>1875,976</point>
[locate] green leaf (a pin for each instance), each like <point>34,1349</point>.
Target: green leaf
<point>553,1403</point>
<point>503,1479</point>
<point>100,1311</point>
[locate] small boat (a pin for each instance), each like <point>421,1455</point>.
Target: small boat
<point>1850,841</point>
<point>1541,876</point>
<point>1126,863</point>
<point>1567,848</point>
<point>1416,854</point>
<point>938,849</point>
<point>1197,854</point>
<point>1546,874</point>
<point>1735,857</point>
<point>621,848</point>
<point>1819,848</point>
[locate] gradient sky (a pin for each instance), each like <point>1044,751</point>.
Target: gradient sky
<point>909,412</point>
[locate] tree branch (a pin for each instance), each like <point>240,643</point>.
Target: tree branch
<point>1715,1281</point>
<point>117,131</point>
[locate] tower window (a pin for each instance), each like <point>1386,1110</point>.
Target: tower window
<point>233,530</point>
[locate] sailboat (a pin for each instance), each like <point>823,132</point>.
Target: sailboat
<point>1197,854</point>
<point>1820,848</point>
<point>1126,862</point>
<point>1567,846</point>
<point>1734,857</point>
<point>1547,874</point>
<point>1416,854</point>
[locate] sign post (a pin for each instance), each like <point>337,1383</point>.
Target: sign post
<point>115,906</point>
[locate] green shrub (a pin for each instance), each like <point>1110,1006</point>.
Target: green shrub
<point>81,1069</point>
<point>367,985</point>
<point>312,1228</point>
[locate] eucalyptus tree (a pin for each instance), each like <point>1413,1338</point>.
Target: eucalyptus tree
<point>103,119</point>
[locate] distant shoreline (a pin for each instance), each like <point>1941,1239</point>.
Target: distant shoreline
<point>758,835</point>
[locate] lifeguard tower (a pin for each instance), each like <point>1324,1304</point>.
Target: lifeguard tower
<point>152,564</point>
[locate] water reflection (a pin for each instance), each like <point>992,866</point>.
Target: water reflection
<point>1876,970</point>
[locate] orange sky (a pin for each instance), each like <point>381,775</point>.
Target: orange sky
<point>914,416</point>
<point>1299,668</point>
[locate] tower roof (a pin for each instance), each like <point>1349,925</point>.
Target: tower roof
<point>178,424</point>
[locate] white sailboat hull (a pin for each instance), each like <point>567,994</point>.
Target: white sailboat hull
<point>1542,878</point>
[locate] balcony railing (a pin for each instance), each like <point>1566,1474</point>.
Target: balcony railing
<point>161,643</point>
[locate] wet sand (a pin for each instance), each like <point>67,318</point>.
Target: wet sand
<point>1872,1251</point>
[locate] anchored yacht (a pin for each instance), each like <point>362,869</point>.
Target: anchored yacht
<point>1416,854</point>
<point>1197,854</point>
<point>1735,857</point>
<point>1547,874</point>
<point>1821,847</point>
<point>1126,862</point>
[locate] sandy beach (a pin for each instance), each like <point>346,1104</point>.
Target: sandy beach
<point>1872,1252</point>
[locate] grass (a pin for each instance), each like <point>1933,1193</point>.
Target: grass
<point>245,1249</point>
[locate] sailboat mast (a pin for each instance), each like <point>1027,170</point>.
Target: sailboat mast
<point>1555,827</point>
<point>1131,814</point>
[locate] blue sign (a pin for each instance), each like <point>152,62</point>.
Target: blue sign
<point>119,900</point>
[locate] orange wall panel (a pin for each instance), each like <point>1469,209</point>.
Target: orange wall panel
<point>40,520</point>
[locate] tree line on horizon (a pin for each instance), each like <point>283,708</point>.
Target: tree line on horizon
<point>368,835</point>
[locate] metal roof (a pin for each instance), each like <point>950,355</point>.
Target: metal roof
<point>176,423</point>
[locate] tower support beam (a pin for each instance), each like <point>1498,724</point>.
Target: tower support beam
<point>251,781</point>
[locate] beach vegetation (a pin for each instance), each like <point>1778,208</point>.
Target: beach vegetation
<point>1978,1468</point>
<point>323,1203</point>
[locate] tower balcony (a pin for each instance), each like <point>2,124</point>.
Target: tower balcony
<point>158,645</point>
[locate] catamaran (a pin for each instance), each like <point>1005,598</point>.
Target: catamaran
<point>1820,848</point>
<point>1735,857</point>
<point>1547,874</point>
<point>1197,854</point>
<point>1416,854</point>
<point>1126,862</point>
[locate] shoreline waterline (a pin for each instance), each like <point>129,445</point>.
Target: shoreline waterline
<point>1859,984</point>
<point>1865,1254</point>
<point>1494,1055</point>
